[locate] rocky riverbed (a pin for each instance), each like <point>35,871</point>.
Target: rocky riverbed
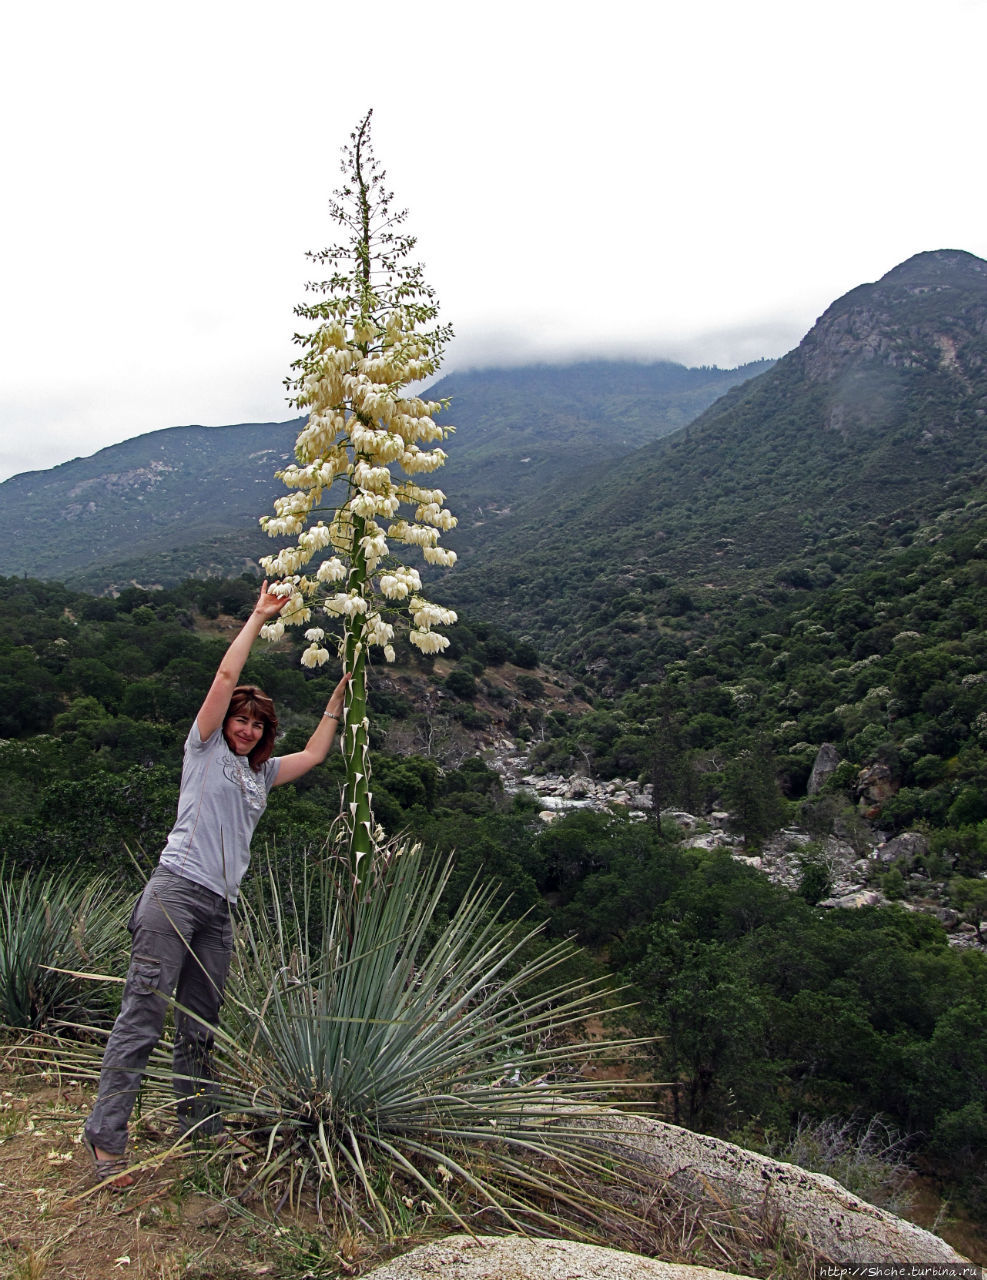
<point>852,873</point>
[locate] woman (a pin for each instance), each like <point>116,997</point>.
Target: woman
<point>182,937</point>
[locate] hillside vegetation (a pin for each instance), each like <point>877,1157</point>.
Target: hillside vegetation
<point>754,993</point>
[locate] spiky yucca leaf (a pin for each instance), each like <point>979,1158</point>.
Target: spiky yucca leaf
<point>380,1043</point>
<point>50,927</point>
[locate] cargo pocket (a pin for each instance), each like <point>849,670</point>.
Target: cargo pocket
<point>144,978</point>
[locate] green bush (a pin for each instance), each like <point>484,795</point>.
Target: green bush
<point>383,1055</point>
<point>461,683</point>
<point>815,878</point>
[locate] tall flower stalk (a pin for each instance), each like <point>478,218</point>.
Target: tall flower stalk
<point>374,334</point>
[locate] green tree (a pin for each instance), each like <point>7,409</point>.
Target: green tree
<point>750,792</point>
<point>712,1022</point>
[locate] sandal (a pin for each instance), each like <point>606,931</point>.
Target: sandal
<point>111,1170</point>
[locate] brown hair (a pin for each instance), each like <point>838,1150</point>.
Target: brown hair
<point>255,702</point>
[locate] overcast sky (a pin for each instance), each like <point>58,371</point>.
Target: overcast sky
<point>696,181</point>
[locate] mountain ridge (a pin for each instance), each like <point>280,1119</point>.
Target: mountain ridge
<point>185,501</point>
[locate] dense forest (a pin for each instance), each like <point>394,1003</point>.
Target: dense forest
<point>888,663</point>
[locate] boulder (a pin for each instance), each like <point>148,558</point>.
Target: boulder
<point>827,758</point>
<point>522,1258</point>
<point>842,1228</point>
<point>687,821</point>
<point>863,898</point>
<point>875,786</point>
<point>904,848</point>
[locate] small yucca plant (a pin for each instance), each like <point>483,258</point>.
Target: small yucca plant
<point>53,929</point>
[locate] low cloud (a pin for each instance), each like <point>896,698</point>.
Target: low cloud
<point>727,347</point>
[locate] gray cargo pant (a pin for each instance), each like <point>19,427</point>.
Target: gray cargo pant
<point>182,945</point>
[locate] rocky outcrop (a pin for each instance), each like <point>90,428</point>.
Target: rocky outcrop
<point>840,1227</point>
<point>781,858</point>
<point>858,898</point>
<point>885,324</point>
<point>827,759</point>
<point>904,848</point>
<point>875,786</point>
<point>558,793</point>
<point>521,1258</point>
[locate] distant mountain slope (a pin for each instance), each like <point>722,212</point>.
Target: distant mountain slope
<point>519,430</point>
<point>175,501</point>
<point>185,500</point>
<point>879,411</point>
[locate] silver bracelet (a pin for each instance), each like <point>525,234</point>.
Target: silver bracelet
<point>330,715</point>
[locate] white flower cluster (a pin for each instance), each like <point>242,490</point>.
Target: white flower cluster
<point>425,617</point>
<point>314,656</point>
<point>428,641</point>
<point>347,604</point>
<point>429,615</point>
<point>399,584</point>
<point>331,570</point>
<point>365,434</point>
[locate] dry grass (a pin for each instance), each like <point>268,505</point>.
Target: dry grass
<point>55,1227</point>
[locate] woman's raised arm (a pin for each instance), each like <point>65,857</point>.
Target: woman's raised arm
<point>212,713</point>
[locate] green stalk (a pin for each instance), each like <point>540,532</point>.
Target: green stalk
<point>356,742</point>
<point>357,809</point>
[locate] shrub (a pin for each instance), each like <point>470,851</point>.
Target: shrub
<point>461,683</point>
<point>866,1158</point>
<point>892,884</point>
<point>815,877</point>
<point>530,687</point>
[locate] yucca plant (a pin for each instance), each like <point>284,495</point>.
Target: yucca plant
<point>384,1063</point>
<point>52,930</point>
<point>377,1056</point>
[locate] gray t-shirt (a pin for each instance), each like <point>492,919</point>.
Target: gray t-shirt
<point>219,805</point>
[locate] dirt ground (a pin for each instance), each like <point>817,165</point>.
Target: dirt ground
<point>55,1226</point>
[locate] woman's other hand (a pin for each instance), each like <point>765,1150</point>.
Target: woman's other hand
<point>268,604</point>
<point>337,698</point>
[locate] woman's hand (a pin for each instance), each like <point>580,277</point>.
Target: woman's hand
<point>334,707</point>
<point>268,604</point>
<point>324,735</point>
